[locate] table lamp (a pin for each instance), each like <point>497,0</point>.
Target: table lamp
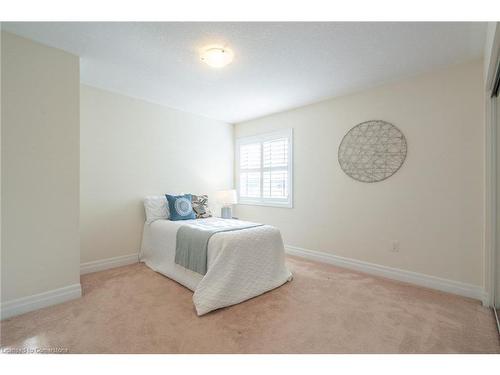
<point>227,198</point>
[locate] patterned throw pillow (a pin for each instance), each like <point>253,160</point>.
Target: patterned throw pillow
<point>200,206</point>
<point>180,207</point>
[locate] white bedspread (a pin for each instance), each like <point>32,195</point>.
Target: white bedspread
<point>240,265</point>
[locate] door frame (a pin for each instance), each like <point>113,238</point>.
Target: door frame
<point>492,197</point>
<point>490,200</point>
<point>492,185</point>
<point>492,115</point>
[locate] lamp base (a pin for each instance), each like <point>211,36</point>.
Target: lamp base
<point>225,213</point>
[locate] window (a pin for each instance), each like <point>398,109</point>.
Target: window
<point>264,169</point>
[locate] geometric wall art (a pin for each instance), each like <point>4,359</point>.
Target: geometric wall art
<point>372,151</point>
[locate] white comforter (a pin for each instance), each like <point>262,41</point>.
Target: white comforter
<point>241,264</point>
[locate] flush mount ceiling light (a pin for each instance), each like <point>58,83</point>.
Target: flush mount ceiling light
<point>217,57</point>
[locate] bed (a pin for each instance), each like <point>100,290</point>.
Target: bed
<point>241,264</point>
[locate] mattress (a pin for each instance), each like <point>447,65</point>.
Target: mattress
<point>241,264</point>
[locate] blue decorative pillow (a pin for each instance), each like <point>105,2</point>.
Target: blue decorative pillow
<point>180,207</point>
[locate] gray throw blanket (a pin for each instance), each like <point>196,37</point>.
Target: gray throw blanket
<point>192,241</point>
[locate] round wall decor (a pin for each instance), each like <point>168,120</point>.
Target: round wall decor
<point>372,151</point>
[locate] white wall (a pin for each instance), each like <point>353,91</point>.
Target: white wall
<point>131,148</point>
<point>433,205</point>
<point>40,168</point>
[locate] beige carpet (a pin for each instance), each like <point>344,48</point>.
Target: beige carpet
<point>325,309</point>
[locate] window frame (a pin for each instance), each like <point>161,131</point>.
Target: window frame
<point>261,138</point>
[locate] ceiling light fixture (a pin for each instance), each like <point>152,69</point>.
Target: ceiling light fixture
<point>217,57</point>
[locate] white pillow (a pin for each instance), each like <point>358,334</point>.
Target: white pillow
<point>156,207</point>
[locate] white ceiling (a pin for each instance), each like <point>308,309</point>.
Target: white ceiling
<point>277,65</point>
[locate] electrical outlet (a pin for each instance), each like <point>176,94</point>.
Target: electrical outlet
<point>395,246</point>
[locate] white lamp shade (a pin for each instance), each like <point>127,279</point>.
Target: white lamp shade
<point>227,197</point>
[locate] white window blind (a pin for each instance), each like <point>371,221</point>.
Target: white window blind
<point>264,169</point>
<point>250,155</point>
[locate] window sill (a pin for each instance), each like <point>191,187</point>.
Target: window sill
<point>266,204</point>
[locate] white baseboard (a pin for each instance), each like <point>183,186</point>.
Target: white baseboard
<point>53,297</point>
<point>433,282</point>
<point>37,301</point>
<point>104,264</point>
